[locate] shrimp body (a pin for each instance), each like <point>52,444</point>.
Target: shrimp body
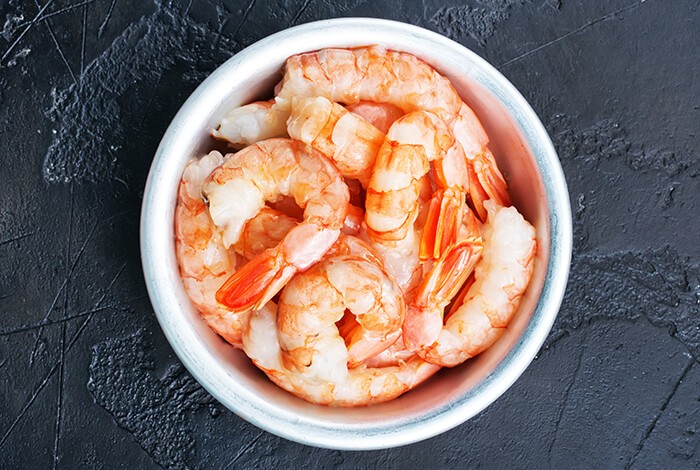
<point>204,261</point>
<point>251,123</point>
<point>501,277</point>
<point>347,139</point>
<point>380,115</point>
<point>309,358</point>
<point>237,191</point>
<point>351,280</point>
<point>339,385</point>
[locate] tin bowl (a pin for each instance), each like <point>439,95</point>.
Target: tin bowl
<point>525,155</point>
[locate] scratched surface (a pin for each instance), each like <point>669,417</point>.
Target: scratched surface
<point>88,87</point>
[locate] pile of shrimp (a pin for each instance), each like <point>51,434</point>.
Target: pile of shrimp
<point>361,237</point>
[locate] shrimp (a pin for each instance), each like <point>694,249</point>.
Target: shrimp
<point>248,124</point>
<point>342,136</point>
<point>349,76</point>
<point>413,142</point>
<point>204,262</point>
<point>380,115</point>
<point>501,278</point>
<point>340,385</point>
<point>351,280</point>
<point>238,189</point>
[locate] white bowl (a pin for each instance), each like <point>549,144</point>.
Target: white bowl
<point>537,186</point>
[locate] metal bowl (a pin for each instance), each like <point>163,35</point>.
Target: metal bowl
<point>524,153</point>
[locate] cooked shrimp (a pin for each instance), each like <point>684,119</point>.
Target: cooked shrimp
<point>340,386</point>
<point>442,279</point>
<point>413,142</point>
<point>349,76</point>
<point>351,280</point>
<point>238,189</point>
<point>501,277</point>
<point>348,140</point>
<point>380,115</point>
<point>204,262</point>
<point>248,124</point>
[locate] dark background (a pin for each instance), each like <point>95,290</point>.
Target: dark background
<point>88,87</point>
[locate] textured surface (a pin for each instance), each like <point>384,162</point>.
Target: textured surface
<point>88,87</point>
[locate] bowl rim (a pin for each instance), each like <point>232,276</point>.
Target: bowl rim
<point>271,418</point>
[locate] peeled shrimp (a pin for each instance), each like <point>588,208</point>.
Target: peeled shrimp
<point>237,191</point>
<point>342,136</point>
<point>414,142</point>
<point>348,76</point>
<point>204,261</point>
<point>351,280</point>
<point>251,123</point>
<point>501,277</point>
<point>380,115</point>
<point>309,358</point>
<point>401,258</point>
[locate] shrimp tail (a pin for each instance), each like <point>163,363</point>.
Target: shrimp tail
<point>449,273</point>
<point>477,194</point>
<point>486,182</point>
<point>256,283</point>
<point>442,224</point>
<point>422,326</point>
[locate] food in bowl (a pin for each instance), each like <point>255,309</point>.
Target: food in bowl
<point>369,242</point>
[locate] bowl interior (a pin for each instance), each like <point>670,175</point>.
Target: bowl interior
<point>227,373</point>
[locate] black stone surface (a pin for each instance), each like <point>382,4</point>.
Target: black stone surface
<point>88,87</point>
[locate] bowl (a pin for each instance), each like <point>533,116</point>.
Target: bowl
<point>526,156</point>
